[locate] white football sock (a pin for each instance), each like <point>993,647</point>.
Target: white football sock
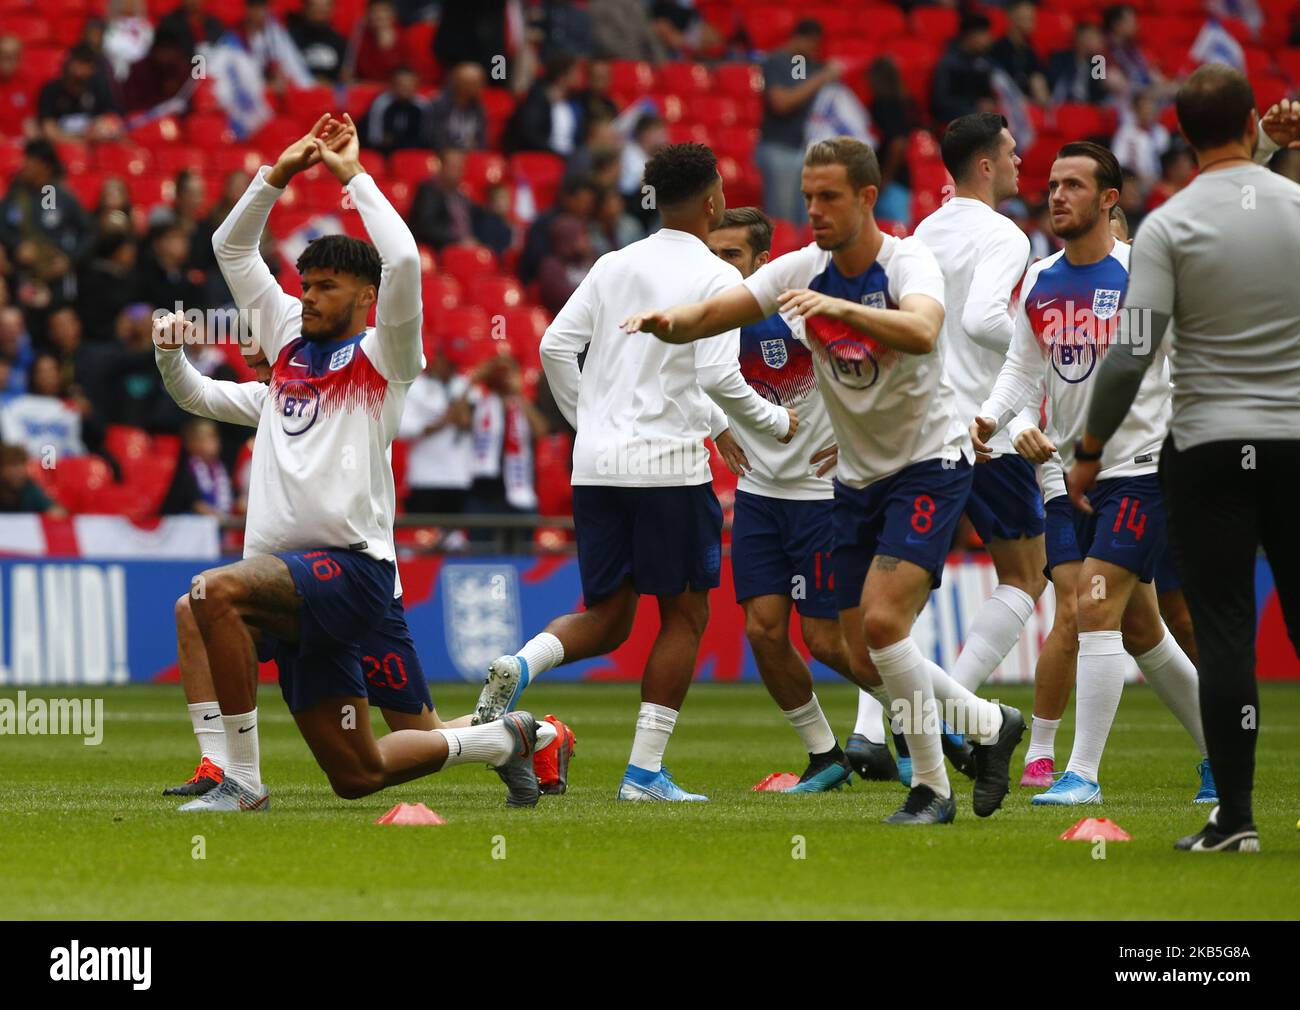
<point>490,744</point>
<point>1173,678</point>
<point>811,725</point>
<point>965,712</point>
<point>1042,739</point>
<point>541,652</point>
<point>994,632</point>
<point>243,757</point>
<point>205,717</point>
<point>870,715</point>
<point>906,676</point>
<point>1098,685</point>
<point>654,725</point>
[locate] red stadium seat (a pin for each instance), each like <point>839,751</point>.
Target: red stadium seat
<point>630,79</point>
<point>209,132</point>
<point>483,169</point>
<point>441,293</point>
<point>465,262</point>
<point>1288,63</point>
<point>937,24</point>
<point>1053,30</point>
<point>741,81</point>
<point>161,132</point>
<point>498,104</point>
<point>413,166</point>
<point>768,25</point>
<point>75,156</point>
<point>714,110</point>
<point>123,159</point>
<point>297,104</point>
<point>359,97</point>
<point>495,295</point>
<point>236,158</point>
<point>41,64</point>
<point>525,326</point>
<point>170,160</point>
<point>689,133</point>
<point>735,142</point>
<point>683,79</point>
<point>542,171</point>
<point>150,190</point>
<point>31,29</point>
<point>127,445</point>
<point>881,23</point>
<point>1079,120</point>
<point>79,479</point>
<point>464,321</point>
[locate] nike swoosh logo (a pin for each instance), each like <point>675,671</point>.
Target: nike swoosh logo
<point>1116,543</point>
<point>1043,305</point>
<point>245,729</point>
<point>209,718</point>
<point>302,364</point>
<point>916,540</point>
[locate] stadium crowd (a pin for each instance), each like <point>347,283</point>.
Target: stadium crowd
<point>512,135</point>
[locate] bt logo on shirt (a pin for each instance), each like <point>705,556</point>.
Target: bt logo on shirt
<point>299,403</point>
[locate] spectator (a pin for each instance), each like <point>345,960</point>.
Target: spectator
<point>1177,169</point>
<point>131,390</point>
<point>472,32</point>
<point>189,24</point>
<point>16,91</point>
<point>457,117</point>
<point>564,267</point>
<point>1141,139</point>
<point>397,118</point>
<point>78,363</point>
<point>505,426</point>
<point>681,30</point>
<point>621,30</point>
<point>44,230</point>
<point>376,49</point>
<point>18,492</point>
<point>168,281</point>
<point>649,136</point>
<point>114,212</point>
<point>563,27</point>
<point>15,349</point>
<point>201,483</point>
<point>1133,200</point>
<point>160,75</point>
<point>895,115</point>
<point>545,119</point>
<point>128,35</point>
<point>1078,74</point>
<point>106,284</point>
<point>577,197</point>
<point>437,421</point>
<point>792,76</point>
<point>963,76</point>
<point>92,37</point>
<point>268,42</point>
<point>323,49</point>
<point>613,227</point>
<point>77,105</point>
<point>441,213</point>
<point>594,103</point>
<point>1125,60</point>
<point>1015,54</point>
<point>40,420</point>
<point>491,222</point>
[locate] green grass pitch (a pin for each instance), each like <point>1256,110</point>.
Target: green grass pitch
<point>85,833</point>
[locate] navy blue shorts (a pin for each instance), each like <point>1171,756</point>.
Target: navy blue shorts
<point>1127,526</point>
<point>911,515</point>
<point>353,635</point>
<point>781,547</point>
<point>1167,577</point>
<point>1005,500</point>
<point>665,539</point>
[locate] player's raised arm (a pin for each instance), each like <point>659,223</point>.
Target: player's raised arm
<point>399,312</point>
<point>986,318</point>
<point>728,310</point>
<point>236,241</point>
<point>232,402</point>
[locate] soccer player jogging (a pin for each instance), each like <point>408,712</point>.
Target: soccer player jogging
<point>872,307</point>
<point>1102,565</point>
<point>646,518</point>
<point>782,533</point>
<point>1219,261</point>
<point>319,573</point>
<point>983,256</point>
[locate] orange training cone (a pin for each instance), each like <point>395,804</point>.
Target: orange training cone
<point>777,782</point>
<point>411,813</point>
<point>1091,828</point>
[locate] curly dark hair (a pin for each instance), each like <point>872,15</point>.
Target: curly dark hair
<point>344,254</point>
<point>679,172</point>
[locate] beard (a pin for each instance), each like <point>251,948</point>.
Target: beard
<point>1085,225</point>
<point>323,330</point>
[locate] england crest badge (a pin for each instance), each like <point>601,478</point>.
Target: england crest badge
<point>874,300</point>
<point>341,357</point>
<point>480,614</point>
<point>775,353</point>
<point>1105,303</point>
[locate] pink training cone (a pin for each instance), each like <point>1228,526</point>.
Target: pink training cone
<point>1091,828</point>
<point>411,813</point>
<point>777,782</point>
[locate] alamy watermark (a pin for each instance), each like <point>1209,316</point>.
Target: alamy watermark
<point>83,717</point>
